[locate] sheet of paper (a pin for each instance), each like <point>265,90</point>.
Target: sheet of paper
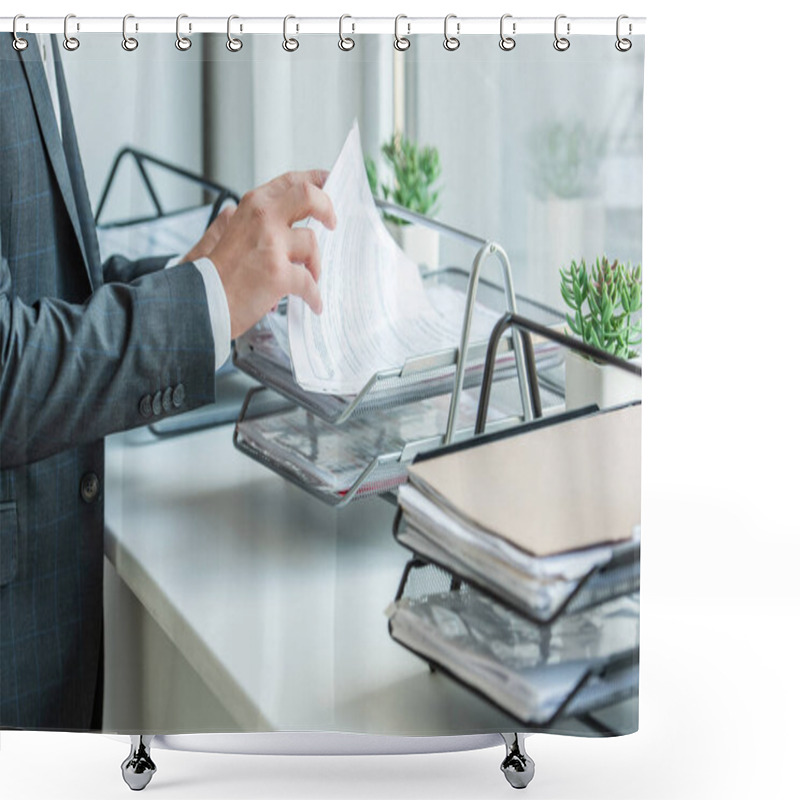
<point>487,550</point>
<point>333,457</point>
<point>506,656</point>
<point>376,312</point>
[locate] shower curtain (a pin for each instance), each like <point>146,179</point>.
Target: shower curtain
<point>157,576</point>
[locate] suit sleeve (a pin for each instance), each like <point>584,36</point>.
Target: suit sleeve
<point>118,269</point>
<point>71,374</point>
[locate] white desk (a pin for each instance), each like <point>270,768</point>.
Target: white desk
<point>274,599</point>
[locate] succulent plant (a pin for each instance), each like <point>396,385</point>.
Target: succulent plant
<point>415,171</point>
<point>604,299</point>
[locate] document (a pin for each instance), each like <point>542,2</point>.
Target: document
<point>376,311</point>
<point>539,587</point>
<point>528,670</point>
<point>331,458</point>
<point>530,516</point>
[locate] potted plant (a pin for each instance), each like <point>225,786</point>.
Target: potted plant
<point>415,171</point>
<point>567,160</point>
<point>605,300</point>
<point>565,207</point>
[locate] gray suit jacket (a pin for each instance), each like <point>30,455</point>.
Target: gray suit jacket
<point>85,349</point>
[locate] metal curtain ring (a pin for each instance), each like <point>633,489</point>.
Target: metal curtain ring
<point>70,42</point>
<point>289,44</point>
<point>561,43</point>
<point>128,42</point>
<point>451,42</point>
<point>233,44</point>
<point>507,42</point>
<point>19,43</point>
<point>401,42</point>
<point>182,42</point>
<point>623,45</point>
<point>345,42</point>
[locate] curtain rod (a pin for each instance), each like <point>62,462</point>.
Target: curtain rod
<point>460,26</point>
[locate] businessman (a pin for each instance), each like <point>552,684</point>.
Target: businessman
<point>89,348</point>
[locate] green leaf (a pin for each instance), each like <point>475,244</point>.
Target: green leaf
<point>568,299</point>
<point>625,297</point>
<point>573,325</point>
<point>593,306</point>
<point>416,169</point>
<point>608,310</point>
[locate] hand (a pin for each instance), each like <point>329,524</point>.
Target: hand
<point>260,258</point>
<point>211,236</point>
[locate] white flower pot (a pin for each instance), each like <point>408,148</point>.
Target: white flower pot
<point>420,244</point>
<point>604,385</point>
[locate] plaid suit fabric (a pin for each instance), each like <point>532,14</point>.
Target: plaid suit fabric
<point>76,355</point>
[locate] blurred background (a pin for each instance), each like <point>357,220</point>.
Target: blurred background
<point>538,151</point>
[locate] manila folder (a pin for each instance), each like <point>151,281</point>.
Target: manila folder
<point>554,489</point>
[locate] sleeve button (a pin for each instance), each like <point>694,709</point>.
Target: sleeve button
<point>166,400</point>
<point>178,395</point>
<point>157,409</point>
<point>146,406</point>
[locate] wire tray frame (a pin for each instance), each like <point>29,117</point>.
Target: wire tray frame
<point>364,456</point>
<point>613,680</point>
<point>616,578</point>
<point>259,355</point>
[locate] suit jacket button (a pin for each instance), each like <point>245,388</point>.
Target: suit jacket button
<point>157,403</point>
<point>146,406</point>
<point>90,487</point>
<point>178,395</point>
<point>166,400</point>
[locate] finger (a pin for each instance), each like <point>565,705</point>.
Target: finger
<point>219,224</point>
<point>314,176</point>
<point>302,284</point>
<point>317,176</point>
<point>304,249</point>
<point>306,200</point>
<point>225,214</point>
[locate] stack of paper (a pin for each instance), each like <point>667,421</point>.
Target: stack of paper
<point>530,671</point>
<point>533,522</point>
<point>332,458</point>
<point>530,515</point>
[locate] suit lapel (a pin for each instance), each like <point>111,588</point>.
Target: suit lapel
<point>34,70</point>
<point>78,180</point>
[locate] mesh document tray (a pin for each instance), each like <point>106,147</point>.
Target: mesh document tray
<point>617,577</point>
<point>543,602</point>
<point>365,455</point>
<point>163,231</point>
<point>539,674</point>
<point>427,375</point>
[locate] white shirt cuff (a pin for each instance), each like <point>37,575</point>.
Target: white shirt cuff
<point>217,307</point>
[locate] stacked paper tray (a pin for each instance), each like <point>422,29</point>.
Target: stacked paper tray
<point>430,374</point>
<point>541,675</point>
<point>531,515</point>
<point>616,577</point>
<point>364,455</point>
